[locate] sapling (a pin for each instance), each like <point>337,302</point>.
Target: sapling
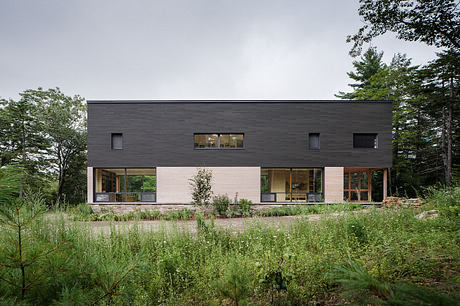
<point>17,215</point>
<point>201,187</point>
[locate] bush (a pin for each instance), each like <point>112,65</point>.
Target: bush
<point>446,200</point>
<point>245,206</point>
<point>220,204</point>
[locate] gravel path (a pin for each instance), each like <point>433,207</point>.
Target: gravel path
<point>234,224</point>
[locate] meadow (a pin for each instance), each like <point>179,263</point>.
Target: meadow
<point>384,256</point>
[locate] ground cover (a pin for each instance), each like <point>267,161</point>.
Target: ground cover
<point>382,256</point>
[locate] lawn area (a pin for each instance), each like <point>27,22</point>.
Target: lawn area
<point>382,256</point>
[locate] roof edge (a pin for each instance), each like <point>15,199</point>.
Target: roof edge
<point>230,101</point>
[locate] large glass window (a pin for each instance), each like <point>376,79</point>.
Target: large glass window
<point>291,184</point>
<point>218,141</point>
<point>356,185</point>
<point>125,185</point>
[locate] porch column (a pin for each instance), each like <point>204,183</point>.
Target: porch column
<point>89,185</point>
<point>385,181</point>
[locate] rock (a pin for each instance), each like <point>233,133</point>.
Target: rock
<point>398,202</point>
<point>428,215</point>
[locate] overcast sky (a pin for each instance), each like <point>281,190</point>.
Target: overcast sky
<point>195,49</point>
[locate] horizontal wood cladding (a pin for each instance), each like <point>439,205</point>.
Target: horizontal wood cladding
<point>275,133</point>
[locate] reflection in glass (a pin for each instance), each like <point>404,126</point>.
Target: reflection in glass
<point>231,140</point>
<point>364,180</point>
<point>292,184</point>
<point>206,140</point>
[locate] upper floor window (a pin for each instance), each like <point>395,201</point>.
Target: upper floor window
<point>218,141</point>
<point>117,141</point>
<point>313,141</point>
<point>365,140</point>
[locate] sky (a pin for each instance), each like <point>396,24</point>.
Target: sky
<point>184,49</point>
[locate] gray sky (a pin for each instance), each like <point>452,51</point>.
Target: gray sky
<point>195,49</point>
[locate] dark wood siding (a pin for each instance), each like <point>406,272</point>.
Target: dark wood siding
<point>275,134</point>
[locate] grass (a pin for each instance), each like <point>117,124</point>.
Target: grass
<point>387,256</point>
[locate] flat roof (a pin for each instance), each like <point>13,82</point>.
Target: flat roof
<point>230,101</point>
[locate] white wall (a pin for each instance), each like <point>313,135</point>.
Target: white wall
<point>173,185</point>
<point>333,184</point>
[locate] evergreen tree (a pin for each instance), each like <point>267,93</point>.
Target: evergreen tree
<point>369,64</point>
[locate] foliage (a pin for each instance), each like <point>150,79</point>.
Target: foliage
<point>369,64</point>
<point>363,288</point>
<point>244,206</point>
<point>201,187</point>
<point>432,22</point>
<point>221,204</point>
<point>446,200</point>
<point>44,132</point>
<point>176,267</point>
<point>235,283</point>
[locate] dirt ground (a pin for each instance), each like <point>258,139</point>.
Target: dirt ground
<point>233,224</point>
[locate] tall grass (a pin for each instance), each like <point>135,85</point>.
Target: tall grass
<point>261,265</point>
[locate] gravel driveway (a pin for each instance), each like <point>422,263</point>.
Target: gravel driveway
<point>234,224</point>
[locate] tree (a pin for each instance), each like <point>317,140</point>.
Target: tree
<point>23,142</point>
<point>441,87</point>
<point>201,187</point>
<point>434,22</point>
<point>64,123</point>
<point>369,64</point>
<point>45,133</point>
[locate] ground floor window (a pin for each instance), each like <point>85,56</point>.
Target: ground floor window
<point>291,184</point>
<point>357,185</point>
<point>125,184</point>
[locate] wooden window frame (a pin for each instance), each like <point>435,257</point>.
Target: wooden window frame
<point>359,189</point>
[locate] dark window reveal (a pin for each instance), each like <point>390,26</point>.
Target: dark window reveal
<point>365,140</point>
<point>218,141</point>
<point>117,141</point>
<point>313,141</point>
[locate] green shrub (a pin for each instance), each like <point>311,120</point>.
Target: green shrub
<point>245,206</point>
<point>235,283</point>
<point>220,204</point>
<point>446,200</point>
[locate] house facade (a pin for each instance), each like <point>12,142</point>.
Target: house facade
<point>267,151</point>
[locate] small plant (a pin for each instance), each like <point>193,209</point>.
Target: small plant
<point>275,278</point>
<point>235,284</point>
<point>357,284</point>
<point>220,204</point>
<point>21,262</point>
<point>201,187</point>
<point>245,206</point>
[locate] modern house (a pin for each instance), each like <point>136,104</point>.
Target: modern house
<point>267,151</point>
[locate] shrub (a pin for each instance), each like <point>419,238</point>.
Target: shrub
<point>220,204</point>
<point>235,283</point>
<point>245,206</point>
<point>201,187</point>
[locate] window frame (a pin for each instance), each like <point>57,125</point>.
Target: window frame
<point>218,141</point>
<point>309,141</point>
<point>112,142</point>
<point>376,145</point>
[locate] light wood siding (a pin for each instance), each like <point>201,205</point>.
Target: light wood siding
<point>173,183</point>
<point>333,184</point>
<point>90,184</point>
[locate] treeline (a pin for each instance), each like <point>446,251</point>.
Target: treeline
<point>43,133</point>
<point>426,102</point>
<point>426,113</point>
